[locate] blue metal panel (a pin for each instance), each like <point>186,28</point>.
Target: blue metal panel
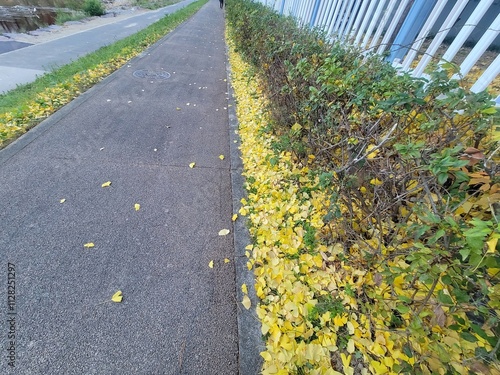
<point>314,13</point>
<point>412,25</point>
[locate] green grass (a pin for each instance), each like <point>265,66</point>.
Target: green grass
<point>18,98</point>
<point>73,15</point>
<point>154,4</point>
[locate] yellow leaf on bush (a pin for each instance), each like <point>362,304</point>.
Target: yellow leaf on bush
<point>371,155</point>
<point>492,244</point>
<point>296,127</point>
<point>117,297</point>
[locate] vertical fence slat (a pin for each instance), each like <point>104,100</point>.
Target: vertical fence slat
<point>481,46</point>
<point>366,20</point>
<point>487,77</point>
<point>467,29</point>
<point>321,18</point>
<point>324,19</point>
<point>314,14</point>
<point>334,17</point>
<point>349,30</point>
<point>436,11</point>
<point>343,22</point>
<point>392,26</point>
<point>373,23</point>
<point>438,39</point>
<point>341,16</point>
<point>359,18</point>
<point>387,13</point>
<point>353,7</point>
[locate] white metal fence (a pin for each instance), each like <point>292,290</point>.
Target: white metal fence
<point>411,32</point>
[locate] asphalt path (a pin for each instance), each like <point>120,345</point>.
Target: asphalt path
<point>24,65</point>
<point>140,129</point>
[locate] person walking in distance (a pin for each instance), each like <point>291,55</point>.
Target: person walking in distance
<point>221,3</point>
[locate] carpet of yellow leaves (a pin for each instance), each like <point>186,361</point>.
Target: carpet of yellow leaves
<point>310,295</point>
<point>285,281</point>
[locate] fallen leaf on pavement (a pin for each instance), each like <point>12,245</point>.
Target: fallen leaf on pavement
<point>246,302</point>
<point>191,165</point>
<point>89,245</point>
<point>106,184</point>
<point>211,264</point>
<point>221,157</point>
<point>62,200</point>
<point>137,206</point>
<point>117,297</point>
<point>226,260</point>
<point>244,288</point>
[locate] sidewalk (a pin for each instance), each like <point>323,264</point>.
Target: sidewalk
<point>140,129</point>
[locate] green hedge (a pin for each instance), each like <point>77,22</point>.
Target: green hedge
<point>411,166</point>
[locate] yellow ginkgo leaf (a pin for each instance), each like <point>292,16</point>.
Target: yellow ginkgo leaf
<point>191,165</point>
<point>211,264</point>
<point>106,184</point>
<point>224,232</point>
<point>226,260</point>
<point>246,302</point>
<point>376,181</point>
<point>221,157</point>
<point>89,245</point>
<point>117,297</point>
<point>62,200</point>
<point>244,288</point>
<point>178,109</point>
<point>492,245</point>
<point>137,206</point>
<point>235,216</point>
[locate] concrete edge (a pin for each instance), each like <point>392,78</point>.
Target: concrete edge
<point>24,140</point>
<point>250,342</point>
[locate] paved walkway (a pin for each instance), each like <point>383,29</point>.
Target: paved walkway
<point>140,129</point>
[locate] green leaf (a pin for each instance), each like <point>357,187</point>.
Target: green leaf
<point>464,253</point>
<point>405,299</point>
<point>446,279</point>
<point>460,295</point>
<point>403,309</point>
<point>489,111</point>
<point>407,350</point>
<point>445,299</point>
<point>468,337</point>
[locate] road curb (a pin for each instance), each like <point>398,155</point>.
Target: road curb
<point>249,326</point>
